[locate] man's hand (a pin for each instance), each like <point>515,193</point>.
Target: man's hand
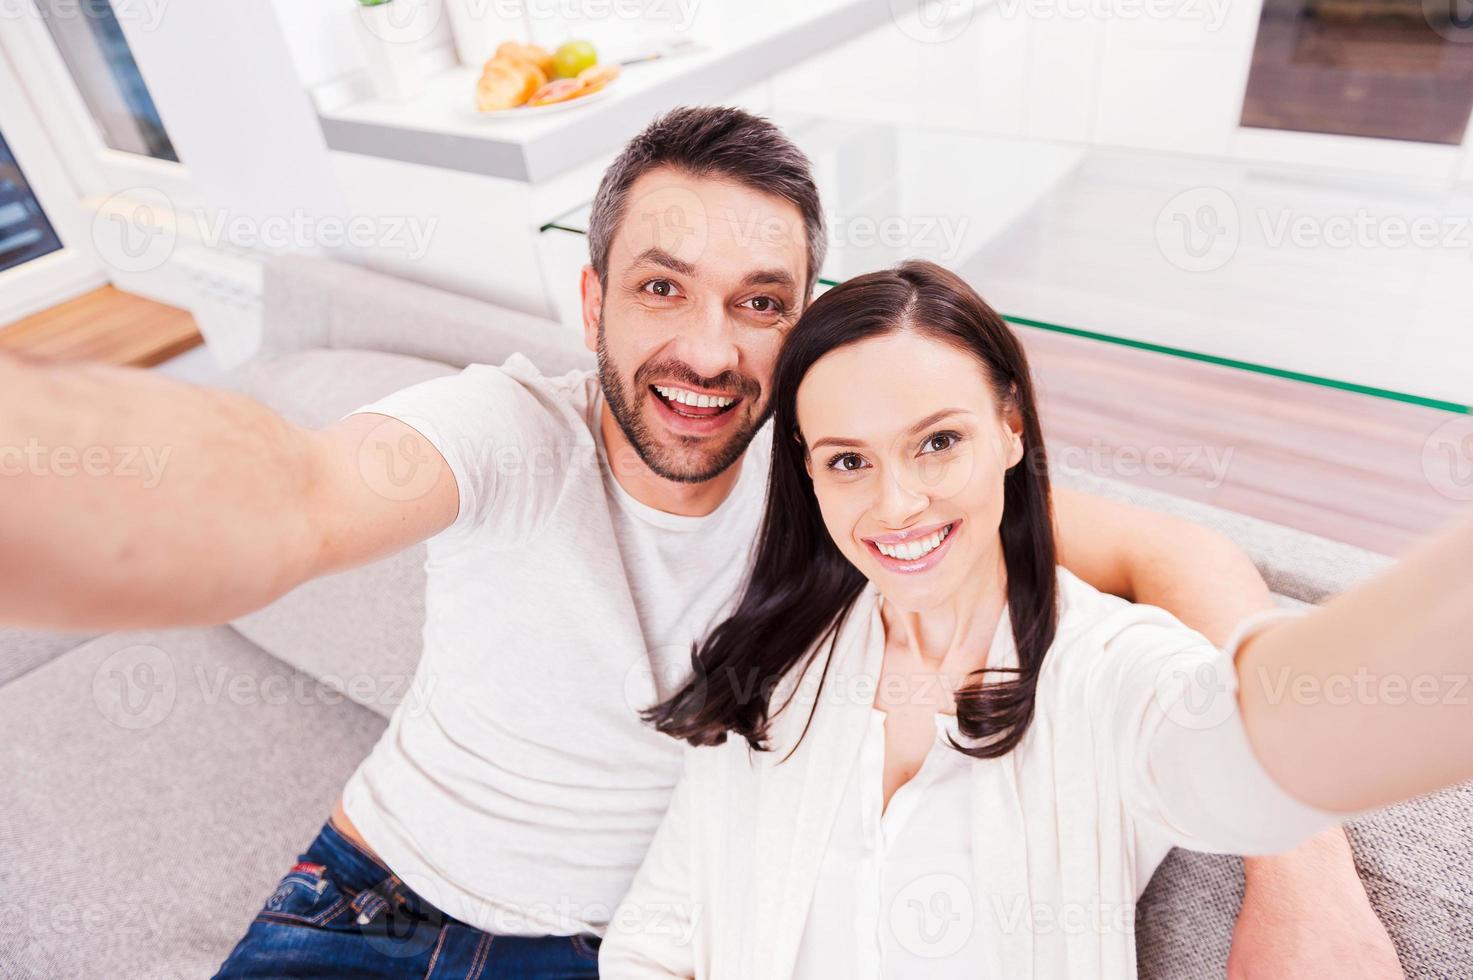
<point>1306,916</point>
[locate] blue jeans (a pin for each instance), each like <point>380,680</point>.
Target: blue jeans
<point>341,913</point>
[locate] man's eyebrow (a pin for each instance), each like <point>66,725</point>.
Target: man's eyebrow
<point>770,277</point>
<point>924,423</point>
<point>654,255</point>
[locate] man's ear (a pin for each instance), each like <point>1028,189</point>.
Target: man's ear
<point>592,292</point>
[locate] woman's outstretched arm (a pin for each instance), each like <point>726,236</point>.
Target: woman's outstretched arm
<point>1369,700</point>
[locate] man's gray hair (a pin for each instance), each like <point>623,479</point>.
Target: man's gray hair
<point>710,141</point>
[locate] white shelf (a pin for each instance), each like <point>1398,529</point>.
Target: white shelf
<point>747,42</point>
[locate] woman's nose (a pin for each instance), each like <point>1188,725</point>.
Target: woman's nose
<point>902,498</point>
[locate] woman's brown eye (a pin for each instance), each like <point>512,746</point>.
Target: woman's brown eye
<point>661,287</point>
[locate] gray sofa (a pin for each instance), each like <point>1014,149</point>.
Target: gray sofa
<point>158,783</point>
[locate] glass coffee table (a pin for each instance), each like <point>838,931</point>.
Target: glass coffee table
<point>1330,277</point>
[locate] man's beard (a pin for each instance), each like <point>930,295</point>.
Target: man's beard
<point>680,466</point>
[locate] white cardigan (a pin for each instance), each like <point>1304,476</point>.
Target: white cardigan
<point>1136,745</point>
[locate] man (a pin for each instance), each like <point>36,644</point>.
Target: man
<point>583,531</point>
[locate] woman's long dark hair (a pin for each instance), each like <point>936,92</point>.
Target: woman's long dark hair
<point>801,587</point>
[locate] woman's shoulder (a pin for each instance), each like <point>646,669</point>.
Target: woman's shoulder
<point>1093,620</point>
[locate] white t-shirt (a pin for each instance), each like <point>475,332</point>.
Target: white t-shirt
<point>520,790</point>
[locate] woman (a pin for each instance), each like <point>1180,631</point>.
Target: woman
<point>952,758</point>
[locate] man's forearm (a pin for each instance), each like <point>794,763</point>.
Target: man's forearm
<point>1193,572</point>
<point>1203,579</point>
<point>129,499</point>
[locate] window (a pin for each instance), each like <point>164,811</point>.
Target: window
<point>25,231</point>
<point>92,44</point>
<point>1394,69</point>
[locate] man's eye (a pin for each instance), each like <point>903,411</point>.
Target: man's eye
<point>847,462</point>
<point>660,287</point>
<point>766,304</point>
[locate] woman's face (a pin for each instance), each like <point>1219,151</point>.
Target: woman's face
<point>907,449</point>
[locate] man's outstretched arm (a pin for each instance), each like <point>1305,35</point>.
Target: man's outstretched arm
<point>130,500</point>
<point>1302,911</point>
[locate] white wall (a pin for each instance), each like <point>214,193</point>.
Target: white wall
<point>225,82</point>
<point>1165,75</point>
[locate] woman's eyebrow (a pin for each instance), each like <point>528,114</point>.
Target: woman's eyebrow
<point>933,418</point>
<point>924,423</point>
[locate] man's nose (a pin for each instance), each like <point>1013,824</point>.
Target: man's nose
<point>708,343</point>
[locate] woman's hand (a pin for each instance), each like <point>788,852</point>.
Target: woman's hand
<point>1363,703</point>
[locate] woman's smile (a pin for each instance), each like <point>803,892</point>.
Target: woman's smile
<point>913,552</point>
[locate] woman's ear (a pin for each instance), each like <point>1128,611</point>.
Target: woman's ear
<point>1013,422</point>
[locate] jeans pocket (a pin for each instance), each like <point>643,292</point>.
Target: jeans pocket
<point>309,896</point>
<point>585,947</point>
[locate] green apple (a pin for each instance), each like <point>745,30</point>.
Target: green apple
<point>571,58</point>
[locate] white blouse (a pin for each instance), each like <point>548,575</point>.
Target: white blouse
<point>769,865</point>
<point>894,890</point>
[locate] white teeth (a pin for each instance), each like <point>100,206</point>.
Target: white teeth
<point>919,548</point>
<point>692,399</point>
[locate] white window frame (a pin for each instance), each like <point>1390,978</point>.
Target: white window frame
<point>75,268</point>
<point>97,169</point>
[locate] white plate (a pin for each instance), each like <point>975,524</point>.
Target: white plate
<point>528,111</point>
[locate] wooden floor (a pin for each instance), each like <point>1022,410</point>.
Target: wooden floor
<point>106,325</point>
<point>1351,467</point>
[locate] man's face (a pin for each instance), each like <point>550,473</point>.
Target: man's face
<point>705,279</point>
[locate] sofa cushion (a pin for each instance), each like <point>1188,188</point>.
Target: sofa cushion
<point>158,785</point>
<point>22,651</point>
<point>1412,859</point>
<point>315,387</point>
<point>360,630</point>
